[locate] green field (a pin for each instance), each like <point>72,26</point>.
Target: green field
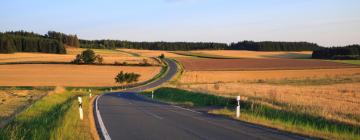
<point>201,55</point>
<point>354,62</point>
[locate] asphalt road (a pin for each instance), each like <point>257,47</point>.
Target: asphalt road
<point>126,115</point>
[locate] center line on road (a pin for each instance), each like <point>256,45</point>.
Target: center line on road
<point>186,109</point>
<point>152,114</point>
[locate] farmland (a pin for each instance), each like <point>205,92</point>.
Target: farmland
<point>257,64</point>
<point>67,75</point>
<point>317,88</point>
<point>191,77</point>
<point>24,75</point>
<point>110,57</point>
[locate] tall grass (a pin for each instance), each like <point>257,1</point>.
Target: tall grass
<point>254,112</point>
<point>52,117</point>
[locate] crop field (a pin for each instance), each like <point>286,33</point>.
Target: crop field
<point>325,89</point>
<point>110,57</point>
<point>67,75</point>
<point>338,102</point>
<point>256,54</point>
<point>330,93</point>
<point>257,64</point>
<point>263,75</point>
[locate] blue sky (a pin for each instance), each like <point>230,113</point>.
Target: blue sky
<point>326,22</point>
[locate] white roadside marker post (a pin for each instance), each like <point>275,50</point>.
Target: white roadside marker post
<point>152,94</point>
<point>110,89</point>
<point>238,107</point>
<point>90,95</point>
<point>80,108</point>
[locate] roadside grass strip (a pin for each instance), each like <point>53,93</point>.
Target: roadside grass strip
<point>257,113</point>
<point>55,116</point>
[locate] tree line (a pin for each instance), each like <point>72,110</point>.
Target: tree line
<point>274,46</point>
<point>347,52</point>
<point>21,41</point>
<point>70,40</point>
<point>169,46</point>
<point>184,46</point>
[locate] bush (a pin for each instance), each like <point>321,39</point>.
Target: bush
<point>127,77</point>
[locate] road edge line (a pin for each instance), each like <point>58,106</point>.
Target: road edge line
<point>104,132</point>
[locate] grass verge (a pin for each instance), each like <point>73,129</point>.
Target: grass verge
<point>55,116</point>
<point>253,112</point>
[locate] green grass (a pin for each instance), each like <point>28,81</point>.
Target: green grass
<point>201,55</point>
<point>49,88</point>
<point>354,62</point>
<point>52,117</point>
<point>196,99</point>
<point>289,120</point>
<point>130,53</point>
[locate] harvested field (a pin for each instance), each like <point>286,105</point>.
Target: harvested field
<point>258,64</point>
<point>330,93</point>
<point>152,53</point>
<point>336,102</point>
<point>244,76</point>
<point>257,54</point>
<point>110,57</point>
<point>67,75</point>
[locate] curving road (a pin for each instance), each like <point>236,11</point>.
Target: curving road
<point>125,115</point>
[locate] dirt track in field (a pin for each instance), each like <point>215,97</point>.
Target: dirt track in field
<point>258,64</point>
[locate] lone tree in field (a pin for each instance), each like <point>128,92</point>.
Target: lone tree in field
<point>127,77</point>
<point>162,56</point>
<point>88,57</point>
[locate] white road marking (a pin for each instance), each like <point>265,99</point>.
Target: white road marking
<point>186,109</point>
<point>154,115</point>
<point>101,123</point>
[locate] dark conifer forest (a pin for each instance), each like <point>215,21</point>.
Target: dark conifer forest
<point>21,41</point>
<point>347,52</point>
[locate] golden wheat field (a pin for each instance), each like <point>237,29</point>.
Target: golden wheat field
<point>239,76</point>
<point>338,102</point>
<point>152,53</point>
<point>110,57</point>
<point>257,54</point>
<point>67,75</point>
<point>332,100</point>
